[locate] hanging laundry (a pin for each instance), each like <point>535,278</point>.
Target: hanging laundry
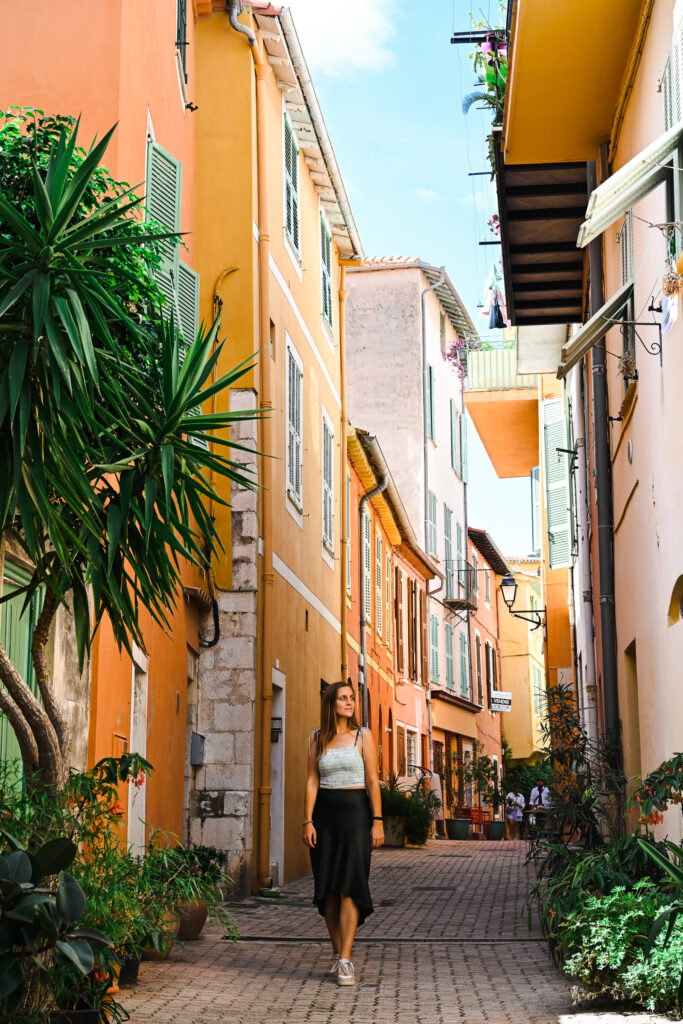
<point>495,316</point>
<point>669,312</point>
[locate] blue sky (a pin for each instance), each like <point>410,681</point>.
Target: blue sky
<point>390,85</point>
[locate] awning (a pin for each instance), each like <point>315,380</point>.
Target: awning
<point>628,185</point>
<point>594,329</point>
<point>539,348</point>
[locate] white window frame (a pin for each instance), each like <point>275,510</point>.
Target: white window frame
<point>327,508</point>
<point>326,274</point>
<point>366,554</point>
<point>296,499</point>
<point>289,239</point>
<point>387,604</point>
<point>487,586</point>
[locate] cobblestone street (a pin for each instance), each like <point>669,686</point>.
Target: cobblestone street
<point>448,942</point>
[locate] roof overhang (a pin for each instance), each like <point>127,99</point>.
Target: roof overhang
<point>541,207</point>
<point>565,72</point>
<point>595,328</point>
<point>484,543</point>
<point>507,423</point>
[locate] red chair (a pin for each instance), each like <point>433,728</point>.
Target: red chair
<point>482,818</point>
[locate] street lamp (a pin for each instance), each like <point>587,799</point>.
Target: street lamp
<point>508,588</point>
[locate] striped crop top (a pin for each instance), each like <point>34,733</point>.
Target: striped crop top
<point>342,767</point>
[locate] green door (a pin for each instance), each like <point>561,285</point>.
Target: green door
<point>16,630</point>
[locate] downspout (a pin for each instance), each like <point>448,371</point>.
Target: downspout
<point>425,396</point>
<point>343,293</point>
<point>264,684</point>
<point>382,483</point>
<point>603,480</point>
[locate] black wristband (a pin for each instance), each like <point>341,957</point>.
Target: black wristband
<point>376,818</point>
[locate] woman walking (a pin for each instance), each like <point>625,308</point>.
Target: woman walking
<point>342,821</point>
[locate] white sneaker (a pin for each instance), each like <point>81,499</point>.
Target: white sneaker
<point>345,973</point>
<point>335,964</point>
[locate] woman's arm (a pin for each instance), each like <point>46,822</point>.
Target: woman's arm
<point>372,786</point>
<point>308,833</point>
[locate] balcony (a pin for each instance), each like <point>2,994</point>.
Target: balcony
<point>460,586</point>
<point>503,406</point>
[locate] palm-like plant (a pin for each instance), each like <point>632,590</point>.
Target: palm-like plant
<point>104,487</point>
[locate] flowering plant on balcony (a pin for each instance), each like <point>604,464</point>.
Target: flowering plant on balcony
<point>455,354</point>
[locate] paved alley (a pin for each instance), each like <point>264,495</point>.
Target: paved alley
<point>448,942</point>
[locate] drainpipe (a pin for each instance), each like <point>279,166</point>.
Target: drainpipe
<point>603,480</point>
<point>345,540</point>
<point>362,673</point>
<point>264,684</point>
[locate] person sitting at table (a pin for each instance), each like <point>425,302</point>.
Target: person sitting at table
<point>538,802</point>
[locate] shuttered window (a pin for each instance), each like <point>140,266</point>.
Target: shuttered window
<point>429,412</point>
<point>181,34</point>
<point>557,483</point>
<point>463,448</point>
<point>412,662</point>
<point>398,632</point>
<point>294,427</point>
<point>461,567</point>
<point>424,663</point>
<point>434,646</point>
<point>536,510</point>
<point>475,575</point>
<point>291,176</point>
<point>16,630</point>
<point>188,303</point>
<point>432,538</point>
<point>448,553</point>
<point>464,684</point>
<point>478,670</point>
<point>367,566</point>
<point>455,430</point>
<point>387,597</point>
<point>162,204</point>
<point>326,271</point>
<point>348,535</point>
<point>487,586</point>
<point>328,485</point>
<point>449,657</point>
<point>379,569</point>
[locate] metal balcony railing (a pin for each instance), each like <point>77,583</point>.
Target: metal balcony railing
<point>460,585</point>
<point>495,369</point>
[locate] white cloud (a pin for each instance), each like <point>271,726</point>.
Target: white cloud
<point>340,37</point>
<point>427,195</point>
<point>482,201</point>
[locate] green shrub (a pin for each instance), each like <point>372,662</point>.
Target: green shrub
<point>395,803</point>
<point>422,805</point>
<point>606,943</point>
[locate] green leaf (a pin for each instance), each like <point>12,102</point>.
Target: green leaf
<point>150,501</point>
<point>83,330</point>
<point>11,976</point>
<point>19,867</point>
<point>23,909</point>
<point>78,952</point>
<point>17,291</point>
<point>16,371</point>
<point>167,459</point>
<point>70,899</point>
<point>56,855</point>
<point>113,532</point>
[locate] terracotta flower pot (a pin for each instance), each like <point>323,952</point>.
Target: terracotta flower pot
<point>171,923</point>
<point>394,831</point>
<point>192,919</point>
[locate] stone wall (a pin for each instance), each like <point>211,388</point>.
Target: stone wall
<point>222,702</point>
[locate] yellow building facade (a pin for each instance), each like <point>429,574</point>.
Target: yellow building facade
<point>523,668</point>
<point>273,230</point>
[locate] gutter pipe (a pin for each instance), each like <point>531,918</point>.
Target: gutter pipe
<point>603,474</point>
<point>235,8</point>
<point>381,484</point>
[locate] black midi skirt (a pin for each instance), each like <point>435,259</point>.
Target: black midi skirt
<point>341,857</point>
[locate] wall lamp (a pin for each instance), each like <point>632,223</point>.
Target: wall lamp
<point>508,588</point>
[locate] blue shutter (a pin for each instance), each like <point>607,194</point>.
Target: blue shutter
<point>463,448</point>
<point>449,656</point>
<point>455,429</point>
<point>448,552</point>
<point>557,483</point>
<point>435,648</point>
<point>464,685</point>
<point>536,510</point>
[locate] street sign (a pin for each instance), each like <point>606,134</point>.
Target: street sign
<point>500,701</point>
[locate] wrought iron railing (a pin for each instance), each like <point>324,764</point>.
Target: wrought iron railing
<point>460,584</point>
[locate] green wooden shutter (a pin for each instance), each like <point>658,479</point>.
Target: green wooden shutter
<point>461,567</point>
<point>326,270</point>
<point>435,648</point>
<point>378,583</point>
<point>162,204</point>
<point>188,302</point>
<point>454,435</point>
<point>463,448</point>
<point>449,656</point>
<point>430,403</point>
<point>432,539</point>
<point>291,186</point>
<point>294,418</point>
<point>328,486</point>
<point>16,631</point>
<point>536,510</point>
<point>448,552</point>
<point>464,686</point>
<point>557,483</point>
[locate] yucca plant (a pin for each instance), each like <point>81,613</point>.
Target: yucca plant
<point>105,453</point>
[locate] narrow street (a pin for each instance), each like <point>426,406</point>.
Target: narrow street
<point>448,942</point>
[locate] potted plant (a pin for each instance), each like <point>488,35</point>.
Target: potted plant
<point>423,804</point>
<point>458,825</point>
<point>205,865</point>
<point>395,807</point>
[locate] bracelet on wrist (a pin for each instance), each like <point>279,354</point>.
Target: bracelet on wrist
<point>378,818</point>
<point>309,821</point>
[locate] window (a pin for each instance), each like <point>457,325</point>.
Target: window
<point>387,598</point>
<point>434,649</point>
<point>411,752</point>
<point>475,574</point>
<point>181,34</point>
<point>326,271</point>
<point>450,680</point>
<point>537,689</point>
<point>557,483</point>
<point>348,535</point>
<point>398,620</point>
<point>162,204</point>
<point>378,582</point>
<point>442,328</point>
<point>432,539</point>
<point>448,553</point>
<point>536,510</point>
<point>328,485</point>
<point>487,586</point>
<point>455,430</point>
<point>461,567</point>
<point>463,448</point>
<point>478,669</point>
<point>464,681</point>
<point>291,189</point>
<point>429,412</point>
<point>489,673</point>
<point>627,261</point>
<point>294,427</point>
<point>367,585</point>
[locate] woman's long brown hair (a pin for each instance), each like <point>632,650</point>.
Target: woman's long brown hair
<point>328,724</point>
